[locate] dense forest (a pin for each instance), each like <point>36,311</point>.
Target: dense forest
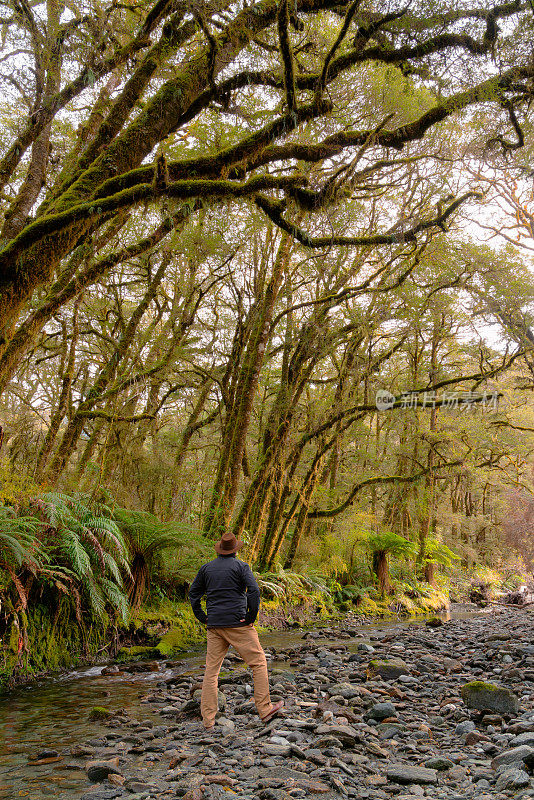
<point>265,267</point>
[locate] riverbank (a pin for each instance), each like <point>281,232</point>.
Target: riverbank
<point>370,714</point>
<point>52,644</point>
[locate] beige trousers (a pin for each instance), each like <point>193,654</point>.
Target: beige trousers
<point>245,641</point>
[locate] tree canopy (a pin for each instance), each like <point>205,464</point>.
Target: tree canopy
<point>227,225</point>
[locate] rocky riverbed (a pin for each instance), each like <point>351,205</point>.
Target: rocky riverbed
<point>404,712</point>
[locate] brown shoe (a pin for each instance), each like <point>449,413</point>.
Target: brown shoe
<point>277,707</point>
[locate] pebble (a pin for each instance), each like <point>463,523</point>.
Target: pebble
<point>389,719</point>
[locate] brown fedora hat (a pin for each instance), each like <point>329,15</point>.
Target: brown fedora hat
<point>228,545</point>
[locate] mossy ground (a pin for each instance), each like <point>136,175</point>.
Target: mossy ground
<point>49,640</point>
<point>172,628</point>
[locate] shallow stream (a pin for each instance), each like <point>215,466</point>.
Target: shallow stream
<point>52,714</point>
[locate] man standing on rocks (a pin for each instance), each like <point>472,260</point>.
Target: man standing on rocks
<point>232,604</point>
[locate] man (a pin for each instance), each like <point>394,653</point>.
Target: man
<point>232,604</point>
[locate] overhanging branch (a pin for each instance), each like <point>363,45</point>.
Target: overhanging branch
<point>273,211</point>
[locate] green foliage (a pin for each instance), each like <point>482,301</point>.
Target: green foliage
<point>19,544</point>
<point>438,553</point>
<point>291,587</point>
<point>148,540</point>
<point>16,485</point>
<point>81,538</point>
<point>392,544</point>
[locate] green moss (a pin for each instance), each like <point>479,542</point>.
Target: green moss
<point>179,638</point>
<point>54,641</point>
<point>136,652</point>
<point>479,686</point>
<point>99,713</point>
<point>173,627</point>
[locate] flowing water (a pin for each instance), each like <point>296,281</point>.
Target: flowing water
<point>52,714</point>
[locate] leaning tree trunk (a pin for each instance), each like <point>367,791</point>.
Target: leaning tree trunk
<point>226,485</point>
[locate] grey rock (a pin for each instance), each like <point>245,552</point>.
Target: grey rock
<point>99,770</point>
<point>465,727</point>
<point>514,756</point>
<point>405,774</point>
<point>523,738</point>
<point>47,754</point>
<point>276,749</point>
<point>138,787</point>
<point>484,696</point>
<point>512,779</point>
<point>225,723</point>
<point>345,690</point>
<point>344,733</point>
<point>381,711</point>
<point>104,794</point>
<point>389,669</point>
<point>439,763</point>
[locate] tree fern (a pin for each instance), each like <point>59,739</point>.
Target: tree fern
<point>112,568</point>
<point>18,538</point>
<point>96,596</point>
<point>148,539</point>
<point>116,598</point>
<point>90,544</point>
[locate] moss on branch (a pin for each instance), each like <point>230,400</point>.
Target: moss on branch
<point>273,211</point>
<point>210,189</point>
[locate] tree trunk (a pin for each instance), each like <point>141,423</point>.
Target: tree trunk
<point>430,577</point>
<point>226,483</point>
<point>381,570</point>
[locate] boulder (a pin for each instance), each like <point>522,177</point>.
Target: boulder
<point>512,779</point>
<point>388,669</point>
<point>405,774</point>
<point>484,696</point>
<point>516,755</point>
<point>99,770</point>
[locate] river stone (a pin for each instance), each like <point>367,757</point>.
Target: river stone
<point>138,787</point>
<point>46,754</point>
<point>381,711</point>
<point>99,770</point>
<point>312,786</point>
<point>103,794</point>
<point>512,779</point>
<point>390,669</point>
<point>345,690</point>
<point>523,738</point>
<point>484,696</point>
<point>345,733</point>
<point>405,774</point>
<point>439,763</point>
<point>514,756</point>
<point>276,749</point>
<point>465,727</point>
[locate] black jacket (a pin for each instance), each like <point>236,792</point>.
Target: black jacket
<point>232,594</point>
